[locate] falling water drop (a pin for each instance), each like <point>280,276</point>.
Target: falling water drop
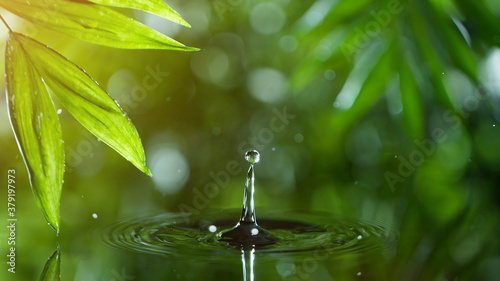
<point>247,261</point>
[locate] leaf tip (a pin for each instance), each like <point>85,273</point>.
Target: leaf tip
<point>147,171</point>
<point>55,226</point>
<point>192,49</point>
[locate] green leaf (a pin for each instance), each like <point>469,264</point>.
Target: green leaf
<point>411,101</point>
<point>52,269</point>
<point>434,66</point>
<point>156,7</point>
<point>93,23</point>
<point>371,90</point>
<point>36,126</point>
<point>483,18</point>
<point>86,101</point>
<point>452,40</point>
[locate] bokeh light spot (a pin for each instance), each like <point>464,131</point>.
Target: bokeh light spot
<point>288,43</point>
<point>267,85</point>
<point>170,170</point>
<point>267,18</point>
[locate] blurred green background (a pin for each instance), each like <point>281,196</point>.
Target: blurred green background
<point>379,110</point>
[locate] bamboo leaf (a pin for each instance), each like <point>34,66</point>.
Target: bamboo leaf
<point>412,104</point>
<point>52,269</point>
<point>86,101</point>
<point>156,7</point>
<point>36,126</point>
<point>371,90</point>
<point>454,43</point>
<point>435,68</point>
<point>93,23</point>
<point>483,18</point>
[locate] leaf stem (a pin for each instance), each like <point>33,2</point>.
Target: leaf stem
<point>6,24</point>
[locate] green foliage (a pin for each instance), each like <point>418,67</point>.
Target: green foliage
<point>156,7</point>
<point>52,269</point>
<point>36,126</point>
<point>423,34</point>
<point>96,24</point>
<point>35,73</point>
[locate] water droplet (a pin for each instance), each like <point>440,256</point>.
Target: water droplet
<point>359,237</point>
<point>273,149</point>
<point>255,231</point>
<point>59,111</point>
<point>493,125</point>
<point>336,104</point>
<point>212,228</point>
<point>252,157</point>
<point>395,156</point>
<point>94,215</point>
<point>359,274</point>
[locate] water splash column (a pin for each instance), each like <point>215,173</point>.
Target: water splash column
<point>248,212</point>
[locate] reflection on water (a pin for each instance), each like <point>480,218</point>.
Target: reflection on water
<point>247,258</point>
<point>52,269</point>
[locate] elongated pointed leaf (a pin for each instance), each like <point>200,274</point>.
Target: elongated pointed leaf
<point>37,129</point>
<point>434,65</point>
<point>455,44</point>
<point>483,17</point>
<point>93,23</point>
<point>156,7</point>
<point>86,101</point>
<point>52,269</point>
<point>372,89</point>
<point>412,103</point>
